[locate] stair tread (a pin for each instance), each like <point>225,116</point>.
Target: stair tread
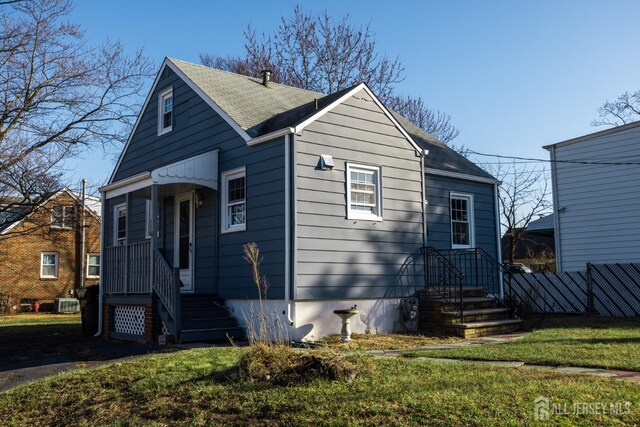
<point>477,311</point>
<point>228,328</point>
<point>488,323</point>
<point>464,299</point>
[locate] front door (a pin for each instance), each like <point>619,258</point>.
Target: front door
<point>184,247</point>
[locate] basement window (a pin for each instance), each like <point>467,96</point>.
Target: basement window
<point>234,200</point>
<point>49,265</point>
<point>364,192</point>
<point>165,111</point>
<point>461,209</point>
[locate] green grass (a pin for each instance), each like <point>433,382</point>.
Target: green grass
<point>191,388</point>
<point>563,341</point>
<point>39,319</point>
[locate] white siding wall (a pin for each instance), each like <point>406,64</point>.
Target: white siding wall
<point>599,218</point>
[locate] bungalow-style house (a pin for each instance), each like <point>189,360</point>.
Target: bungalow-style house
<point>596,186</point>
<point>41,251</point>
<point>341,195</point>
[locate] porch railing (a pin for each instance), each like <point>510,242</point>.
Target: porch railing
<point>166,285</point>
<point>127,269</point>
<point>444,278</point>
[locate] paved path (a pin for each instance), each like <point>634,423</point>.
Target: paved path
<point>500,339</point>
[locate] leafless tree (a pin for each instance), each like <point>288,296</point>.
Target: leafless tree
<point>625,109</point>
<point>58,96</point>
<point>433,122</point>
<point>319,53</point>
<point>524,196</point>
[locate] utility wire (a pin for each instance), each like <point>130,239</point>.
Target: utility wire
<point>578,162</point>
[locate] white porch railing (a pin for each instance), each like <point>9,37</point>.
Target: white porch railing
<point>127,269</point>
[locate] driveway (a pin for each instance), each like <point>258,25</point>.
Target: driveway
<point>33,351</point>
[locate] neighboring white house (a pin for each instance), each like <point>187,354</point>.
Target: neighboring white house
<point>596,197</point>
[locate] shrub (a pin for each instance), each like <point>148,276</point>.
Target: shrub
<point>282,365</point>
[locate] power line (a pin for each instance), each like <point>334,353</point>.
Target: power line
<point>577,162</point>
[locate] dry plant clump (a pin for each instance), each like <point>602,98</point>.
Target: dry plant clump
<point>284,366</point>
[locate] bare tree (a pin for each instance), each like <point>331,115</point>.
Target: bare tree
<point>625,109</point>
<point>58,95</point>
<point>433,122</point>
<point>524,196</point>
<point>318,53</point>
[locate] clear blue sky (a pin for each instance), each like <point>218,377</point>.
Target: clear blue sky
<point>513,75</point>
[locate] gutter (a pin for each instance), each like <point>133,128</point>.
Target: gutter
<point>271,136</point>
<point>103,224</point>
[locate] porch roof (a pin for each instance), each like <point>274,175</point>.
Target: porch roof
<point>197,170</point>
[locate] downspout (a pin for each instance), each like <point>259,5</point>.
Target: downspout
<point>103,225</point>
<point>287,228</point>
<point>496,193</point>
<point>556,207</point>
<point>425,203</point>
<point>83,231</point>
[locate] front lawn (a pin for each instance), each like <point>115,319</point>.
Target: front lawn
<point>598,342</point>
<point>191,387</point>
<point>385,341</point>
<point>39,319</point>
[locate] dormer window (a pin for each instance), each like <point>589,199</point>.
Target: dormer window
<point>165,111</point>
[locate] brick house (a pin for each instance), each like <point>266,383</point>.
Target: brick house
<point>40,255</point>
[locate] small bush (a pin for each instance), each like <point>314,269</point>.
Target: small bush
<point>525,310</point>
<point>282,365</point>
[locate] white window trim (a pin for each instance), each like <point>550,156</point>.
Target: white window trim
<point>89,276</point>
<point>226,177</point>
<point>161,96</point>
<point>57,264</point>
<point>115,222</point>
<point>351,214</point>
<point>470,213</point>
<point>64,224</point>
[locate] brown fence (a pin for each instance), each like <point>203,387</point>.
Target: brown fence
<point>605,289</point>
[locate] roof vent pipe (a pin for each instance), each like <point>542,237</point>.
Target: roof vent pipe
<point>266,77</point>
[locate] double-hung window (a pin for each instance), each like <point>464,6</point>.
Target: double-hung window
<point>63,216</point>
<point>461,209</point>
<point>165,111</point>
<point>364,192</point>
<point>120,224</point>
<point>93,265</point>
<point>49,265</point>
<point>234,200</point>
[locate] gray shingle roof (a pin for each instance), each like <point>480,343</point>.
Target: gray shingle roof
<point>260,110</point>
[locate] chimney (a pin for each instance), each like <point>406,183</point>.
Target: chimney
<point>266,77</point>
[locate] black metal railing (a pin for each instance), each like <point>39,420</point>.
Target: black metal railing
<point>480,269</point>
<point>444,278</point>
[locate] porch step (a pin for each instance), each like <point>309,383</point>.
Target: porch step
<point>478,315</point>
<point>469,303</point>
<point>493,327</point>
<point>205,318</point>
<point>212,334</point>
<point>467,291</point>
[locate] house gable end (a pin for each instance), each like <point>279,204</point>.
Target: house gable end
<point>193,112</point>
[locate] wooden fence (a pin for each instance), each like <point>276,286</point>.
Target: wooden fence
<point>605,289</point>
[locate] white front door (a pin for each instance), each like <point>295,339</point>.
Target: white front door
<point>183,244</point>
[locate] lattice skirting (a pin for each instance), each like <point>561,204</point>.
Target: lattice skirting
<point>128,319</point>
<point>165,330</point>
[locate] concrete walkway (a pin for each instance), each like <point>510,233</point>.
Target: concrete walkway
<point>500,339</point>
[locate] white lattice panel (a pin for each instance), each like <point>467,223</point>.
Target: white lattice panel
<point>165,330</point>
<point>128,319</point>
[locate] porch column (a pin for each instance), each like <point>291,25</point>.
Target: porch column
<point>154,232</point>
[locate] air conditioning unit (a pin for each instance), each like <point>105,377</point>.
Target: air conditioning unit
<point>66,305</point>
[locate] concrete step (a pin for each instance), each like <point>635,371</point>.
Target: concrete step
<point>480,329</point>
<point>469,303</point>
<point>208,322</point>
<point>211,334</point>
<point>477,315</point>
<point>201,313</point>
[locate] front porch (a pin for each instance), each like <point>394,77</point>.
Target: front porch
<point>153,283</point>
